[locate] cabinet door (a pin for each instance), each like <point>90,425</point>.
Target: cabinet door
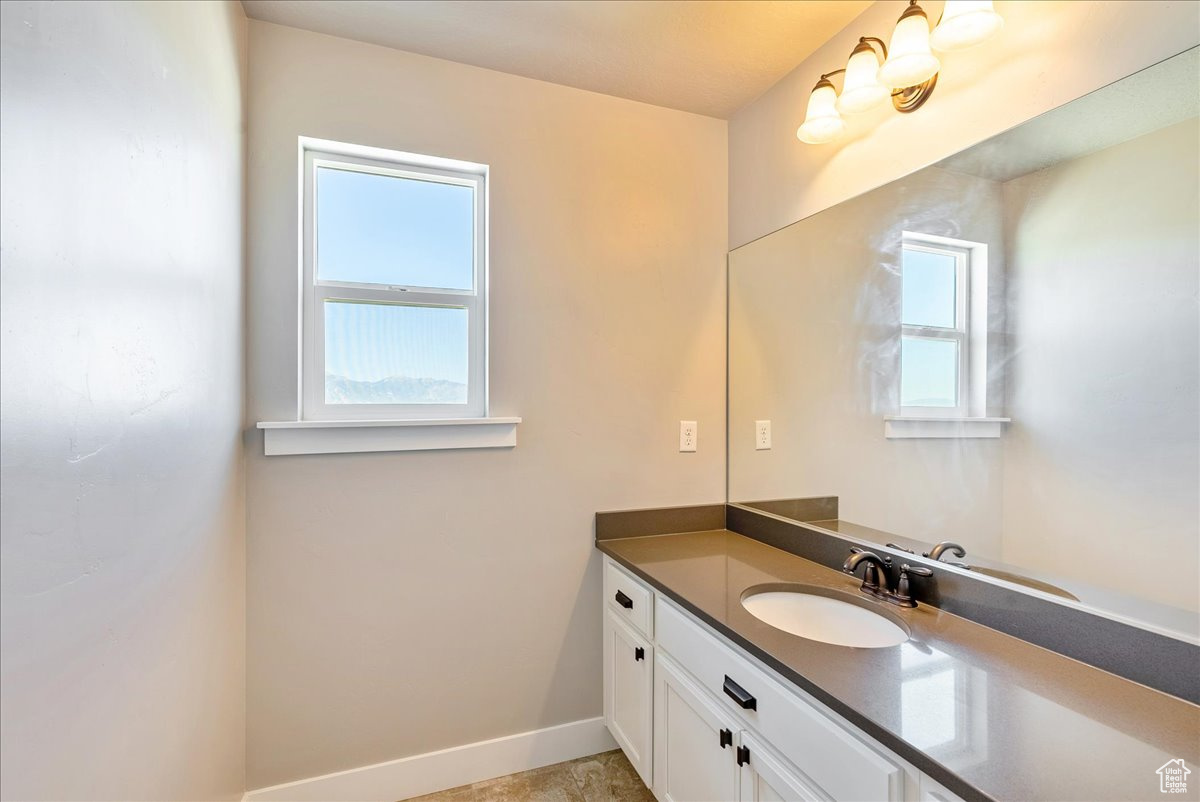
<point>933,791</point>
<point>766,777</point>
<point>694,741</point>
<point>628,689</point>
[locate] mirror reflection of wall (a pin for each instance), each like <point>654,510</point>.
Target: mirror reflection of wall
<point>1049,277</point>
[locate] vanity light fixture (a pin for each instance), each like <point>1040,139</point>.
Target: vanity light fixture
<point>908,71</point>
<point>822,121</point>
<point>861,89</point>
<point>965,23</point>
<point>910,61</point>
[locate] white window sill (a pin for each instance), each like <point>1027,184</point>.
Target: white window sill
<point>360,436</point>
<point>903,427</point>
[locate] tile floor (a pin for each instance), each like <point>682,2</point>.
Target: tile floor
<point>607,777</point>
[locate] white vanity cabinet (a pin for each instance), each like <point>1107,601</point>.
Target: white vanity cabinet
<point>702,753</point>
<point>767,777</point>
<point>932,791</point>
<point>629,692</point>
<point>702,721</point>
<point>629,667</point>
<point>695,745</point>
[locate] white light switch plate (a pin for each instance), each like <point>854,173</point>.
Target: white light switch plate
<point>687,435</point>
<point>762,435</point>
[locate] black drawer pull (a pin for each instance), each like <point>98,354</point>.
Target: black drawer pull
<point>743,755</point>
<point>624,600</point>
<point>639,653</point>
<point>738,694</point>
<point>726,738</point>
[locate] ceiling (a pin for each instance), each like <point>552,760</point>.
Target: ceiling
<point>705,56</point>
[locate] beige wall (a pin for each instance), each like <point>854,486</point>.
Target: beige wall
<point>406,602</point>
<point>814,312</point>
<point>1050,52</point>
<point>123,582</point>
<point>1104,448</point>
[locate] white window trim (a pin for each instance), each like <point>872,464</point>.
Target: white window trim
<point>359,436</point>
<point>322,428</point>
<point>900,427</point>
<point>969,419</point>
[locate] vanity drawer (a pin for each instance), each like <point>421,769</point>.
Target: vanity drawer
<point>631,599</point>
<point>842,764</point>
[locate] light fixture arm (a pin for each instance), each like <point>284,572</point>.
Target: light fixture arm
<point>867,40</point>
<point>863,41</point>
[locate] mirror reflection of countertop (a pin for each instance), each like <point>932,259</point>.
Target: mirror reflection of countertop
<point>983,712</point>
<point>1183,624</point>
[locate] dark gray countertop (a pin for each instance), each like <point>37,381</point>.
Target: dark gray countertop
<point>984,713</point>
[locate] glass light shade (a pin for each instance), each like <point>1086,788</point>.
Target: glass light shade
<point>965,23</point>
<point>862,89</point>
<point>822,121</point>
<point>910,61</point>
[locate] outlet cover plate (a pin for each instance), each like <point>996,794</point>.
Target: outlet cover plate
<point>687,435</point>
<point>762,435</point>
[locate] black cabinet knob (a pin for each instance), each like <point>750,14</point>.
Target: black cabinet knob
<point>639,653</point>
<point>726,738</point>
<point>624,600</point>
<point>743,755</point>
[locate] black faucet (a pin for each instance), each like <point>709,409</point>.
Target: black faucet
<point>875,578</point>
<point>941,548</point>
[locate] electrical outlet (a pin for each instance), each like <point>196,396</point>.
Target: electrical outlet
<point>687,435</point>
<point>762,435</point>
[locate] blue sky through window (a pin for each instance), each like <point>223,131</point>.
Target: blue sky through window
<point>386,230</point>
<point>929,289</point>
<point>410,354</point>
<point>928,372</point>
<point>369,342</point>
<point>381,229</point>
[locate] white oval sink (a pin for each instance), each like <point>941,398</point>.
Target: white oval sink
<point>824,619</point>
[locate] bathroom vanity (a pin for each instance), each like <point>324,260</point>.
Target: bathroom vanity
<point>711,703</point>
<point>676,692</point>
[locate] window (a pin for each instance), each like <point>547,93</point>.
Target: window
<point>394,286</point>
<point>945,346</point>
<point>935,347</point>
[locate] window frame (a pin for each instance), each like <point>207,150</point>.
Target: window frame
<point>315,292</point>
<point>959,334</point>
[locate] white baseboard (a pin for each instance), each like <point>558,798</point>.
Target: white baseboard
<point>447,768</point>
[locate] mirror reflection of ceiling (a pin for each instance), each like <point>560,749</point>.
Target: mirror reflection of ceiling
<point>1154,98</point>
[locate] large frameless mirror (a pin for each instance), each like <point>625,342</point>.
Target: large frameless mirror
<point>999,352</point>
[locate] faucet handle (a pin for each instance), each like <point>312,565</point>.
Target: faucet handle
<point>902,595</point>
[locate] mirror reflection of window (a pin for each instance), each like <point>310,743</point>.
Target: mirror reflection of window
<point>943,706</point>
<point>935,334</point>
